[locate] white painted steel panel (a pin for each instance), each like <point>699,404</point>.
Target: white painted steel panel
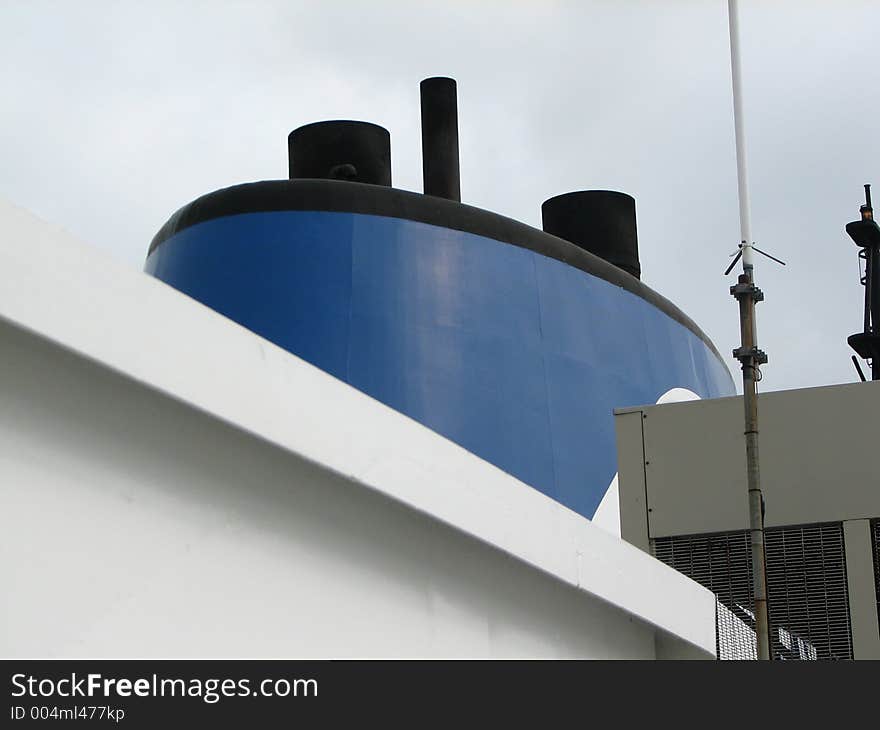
<point>174,485</point>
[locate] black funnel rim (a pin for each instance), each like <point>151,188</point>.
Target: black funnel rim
<point>577,193</point>
<point>340,122</point>
<point>352,197</point>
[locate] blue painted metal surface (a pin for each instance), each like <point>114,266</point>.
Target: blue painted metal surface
<point>518,357</point>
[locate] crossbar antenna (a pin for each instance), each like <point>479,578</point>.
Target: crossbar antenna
<point>737,255</point>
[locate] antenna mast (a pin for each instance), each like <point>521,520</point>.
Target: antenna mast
<point>748,354</point>
<point>866,235</point>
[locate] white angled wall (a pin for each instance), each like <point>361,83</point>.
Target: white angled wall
<point>174,486</point>
<point>135,526</point>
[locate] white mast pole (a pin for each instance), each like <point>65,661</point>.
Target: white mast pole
<point>745,224</point>
<point>750,357</point>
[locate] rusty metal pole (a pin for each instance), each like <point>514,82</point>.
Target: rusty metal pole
<point>747,294</point>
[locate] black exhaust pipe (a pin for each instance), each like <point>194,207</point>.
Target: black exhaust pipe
<point>440,169</point>
<point>341,150</point>
<point>602,222</point>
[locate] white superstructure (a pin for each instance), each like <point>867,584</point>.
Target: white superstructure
<point>174,485</point>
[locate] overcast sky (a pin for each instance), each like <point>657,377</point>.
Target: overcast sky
<point>117,113</point>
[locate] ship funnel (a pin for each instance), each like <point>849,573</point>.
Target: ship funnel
<point>602,222</point>
<point>341,150</point>
<point>440,169</point>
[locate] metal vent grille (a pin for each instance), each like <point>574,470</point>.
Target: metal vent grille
<point>808,598</point>
<point>806,581</point>
<point>875,534</point>
<point>720,562</point>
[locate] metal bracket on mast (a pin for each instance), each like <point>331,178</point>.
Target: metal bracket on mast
<point>743,289</point>
<point>750,357</point>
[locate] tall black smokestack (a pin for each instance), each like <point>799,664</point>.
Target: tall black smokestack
<point>341,150</point>
<point>440,138</point>
<point>602,222</point>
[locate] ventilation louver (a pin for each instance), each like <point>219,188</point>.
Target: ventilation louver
<point>806,581</point>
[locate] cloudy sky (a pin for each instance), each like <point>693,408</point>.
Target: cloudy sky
<point>117,113</point>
